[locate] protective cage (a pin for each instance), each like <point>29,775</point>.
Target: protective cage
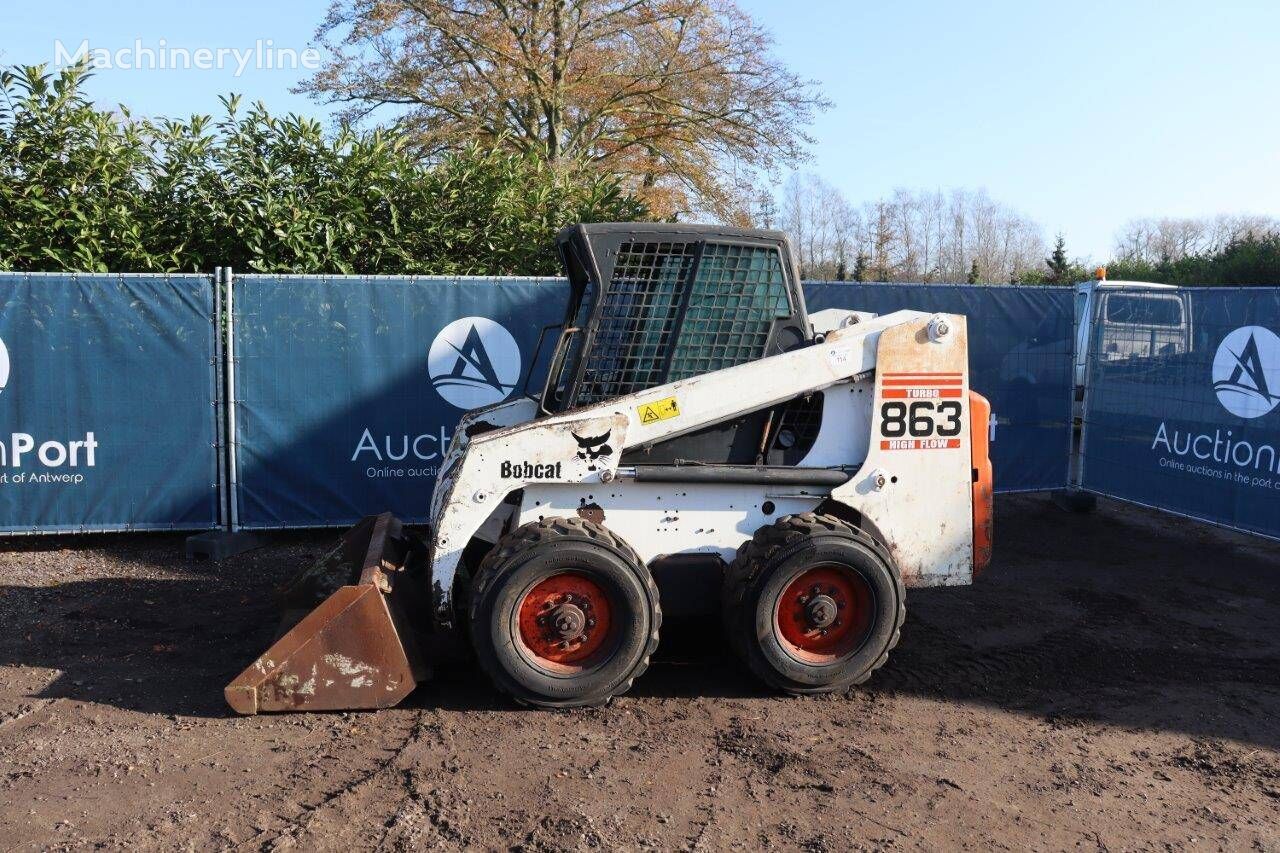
<point>652,304</point>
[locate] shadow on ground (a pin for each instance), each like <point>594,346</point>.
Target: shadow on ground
<point>1119,617</point>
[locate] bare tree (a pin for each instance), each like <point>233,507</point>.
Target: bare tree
<point>682,97</point>
<point>1172,239</point>
<point>910,236</point>
<point>822,225</point>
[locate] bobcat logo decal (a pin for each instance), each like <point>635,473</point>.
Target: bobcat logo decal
<point>592,447</point>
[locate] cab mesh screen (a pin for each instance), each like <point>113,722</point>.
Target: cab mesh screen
<point>737,294</point>
<point>724,311</point>
<point>636,318</point>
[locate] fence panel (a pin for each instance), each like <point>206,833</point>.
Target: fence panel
<point>348,388</point>
<point>1020,358</point>
<point>1181,407</point>
<point>108,403</point>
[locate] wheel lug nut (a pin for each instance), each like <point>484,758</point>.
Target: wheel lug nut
<point>804,599</point>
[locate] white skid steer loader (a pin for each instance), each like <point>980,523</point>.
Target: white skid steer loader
<point>694,419</point>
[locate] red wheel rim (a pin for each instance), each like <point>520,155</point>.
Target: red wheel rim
<point>824,614</point>
<point>565,621</point>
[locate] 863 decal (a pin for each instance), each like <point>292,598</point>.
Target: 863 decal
<point>921,411</point>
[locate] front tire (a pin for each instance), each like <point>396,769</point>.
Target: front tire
<point>812,604</point>
<point>563,614</point>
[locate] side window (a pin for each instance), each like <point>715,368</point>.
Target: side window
<point>737,294</point>
<point>636,320</point>
<point>1140,310</point>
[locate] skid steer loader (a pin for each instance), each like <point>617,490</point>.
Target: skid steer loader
<point>693,415</point>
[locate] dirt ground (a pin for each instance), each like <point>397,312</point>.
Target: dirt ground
<point>1113,682</point>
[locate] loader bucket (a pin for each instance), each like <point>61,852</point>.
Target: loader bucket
<point>357,649</point>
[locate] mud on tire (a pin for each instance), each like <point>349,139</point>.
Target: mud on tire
<point>563,614</point>
<point>767,569</point>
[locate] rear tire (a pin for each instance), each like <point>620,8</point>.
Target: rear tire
<point>563,614</point>
<point>812,604</point>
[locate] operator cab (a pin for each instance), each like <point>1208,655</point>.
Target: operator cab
<point>657,303</point>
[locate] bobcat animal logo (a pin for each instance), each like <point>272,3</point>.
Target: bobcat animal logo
<point>592,447</point>
<point>474,362</point>
<point>1246,369</point>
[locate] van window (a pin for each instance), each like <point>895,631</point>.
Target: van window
<point>1140,310</point>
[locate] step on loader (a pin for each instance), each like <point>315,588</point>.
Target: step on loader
<point>694,419</point>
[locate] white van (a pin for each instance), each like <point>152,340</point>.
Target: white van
<point>1134,320</point>
<point>1129,325</point>
<point>1131,320</point>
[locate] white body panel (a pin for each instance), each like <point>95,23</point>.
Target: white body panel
<point>846,426</point>
<point>924,509</point>
<point>660,519</point>
<point>830,319</point>
<point>910,475</point>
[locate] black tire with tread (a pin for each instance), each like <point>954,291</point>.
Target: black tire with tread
<point>775,542</point>
<point>511,552</point>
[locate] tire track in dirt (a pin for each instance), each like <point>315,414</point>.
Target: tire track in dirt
<point>23,711</point>
<point>715,782</point>
<point>426,804</point>
<point>300,822</point>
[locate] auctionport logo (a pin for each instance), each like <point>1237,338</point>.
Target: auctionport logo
<point>22,449</point>
<point>474,362</point>
<point>1246,372</point>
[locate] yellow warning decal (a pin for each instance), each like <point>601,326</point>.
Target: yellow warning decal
<point>660,410</point>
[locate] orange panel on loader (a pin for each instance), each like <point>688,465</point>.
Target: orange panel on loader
<point>983,486</point>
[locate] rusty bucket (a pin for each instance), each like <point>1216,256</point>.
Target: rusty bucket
<point>357,649</point>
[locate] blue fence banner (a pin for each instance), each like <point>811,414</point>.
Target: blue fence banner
<point>108,412</point>
<point>347,389</point>
<point>1020,358</point>
<point>1182,403</point>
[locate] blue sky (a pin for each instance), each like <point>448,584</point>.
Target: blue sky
<point>1082,115</point>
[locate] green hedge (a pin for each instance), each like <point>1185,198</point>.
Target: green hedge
<point>87,189</point>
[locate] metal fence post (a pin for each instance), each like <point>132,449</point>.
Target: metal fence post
<point>233,491</point>
<point>1090,353</point>
<point>219,398</point>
